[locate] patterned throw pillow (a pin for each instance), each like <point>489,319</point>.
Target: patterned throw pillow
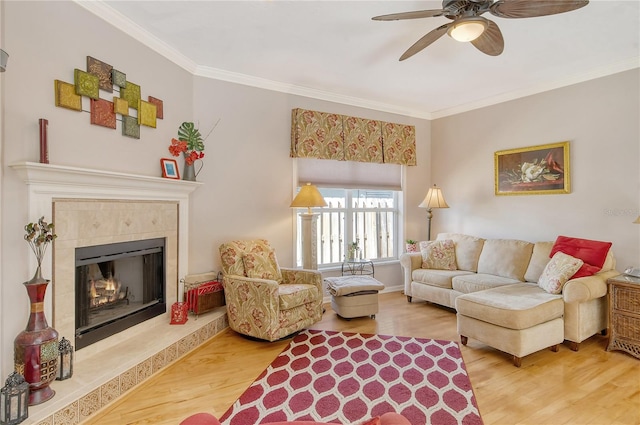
<point>261,263</point>
<point>558,270</point>
<point>440,255</point>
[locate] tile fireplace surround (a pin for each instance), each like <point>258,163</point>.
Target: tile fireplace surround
<point>92,207</point>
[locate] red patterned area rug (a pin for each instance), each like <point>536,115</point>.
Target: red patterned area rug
<point>346,378</point>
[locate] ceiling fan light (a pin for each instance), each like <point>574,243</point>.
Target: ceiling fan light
<point>468,29</point>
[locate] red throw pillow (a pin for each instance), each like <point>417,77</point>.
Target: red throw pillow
<point>593,253</point>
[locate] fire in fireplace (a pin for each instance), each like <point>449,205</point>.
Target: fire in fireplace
<point>118,286</point>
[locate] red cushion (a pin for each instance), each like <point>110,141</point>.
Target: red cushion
<point>593,253</point>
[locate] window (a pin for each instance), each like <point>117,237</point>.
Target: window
<point>366,216</point>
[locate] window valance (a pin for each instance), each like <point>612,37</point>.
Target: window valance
<point>323,135</point>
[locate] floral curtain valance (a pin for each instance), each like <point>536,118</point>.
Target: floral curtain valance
<point>324,135</point>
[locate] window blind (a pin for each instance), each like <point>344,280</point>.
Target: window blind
<point>348,174</point>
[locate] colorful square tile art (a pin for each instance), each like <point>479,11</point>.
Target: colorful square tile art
<point>159,107</point>
<point>120,106</point>
<point>86,84</point>
<point>102,71</point>
<point>130,127</point>
<point>66,96</point>
<point>146,113</point>
<point>102,113</point>
<point>119,78</point>
<point>131,93</point>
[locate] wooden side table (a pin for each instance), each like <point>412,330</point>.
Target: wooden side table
<point>624,314</point>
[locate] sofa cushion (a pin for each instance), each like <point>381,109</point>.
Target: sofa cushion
<point>479,282</point>
<point>592,253</point>
<point>505,257</point>
<point>558,271</point>
<point>439,278</point>
<point>517,306</point>
<point>467,249</point>
<point>439,255</point>
<point>539,259</point>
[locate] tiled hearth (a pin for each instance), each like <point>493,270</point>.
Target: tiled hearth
<point>92,207</point>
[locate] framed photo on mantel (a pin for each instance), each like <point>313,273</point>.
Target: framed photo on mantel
<point>535,170</point>
<point>169,168</point>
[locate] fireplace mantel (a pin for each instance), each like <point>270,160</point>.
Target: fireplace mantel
<point>89,183</point>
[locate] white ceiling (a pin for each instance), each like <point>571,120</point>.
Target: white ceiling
<point>333,50</point>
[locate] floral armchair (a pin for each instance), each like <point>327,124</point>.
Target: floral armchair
<point>263,300</point>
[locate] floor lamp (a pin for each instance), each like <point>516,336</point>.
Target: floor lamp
<point>309,197</point>
<point>434,199</point>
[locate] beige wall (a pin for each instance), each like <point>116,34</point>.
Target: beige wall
<point>598,117</point>
<point>247,174</point>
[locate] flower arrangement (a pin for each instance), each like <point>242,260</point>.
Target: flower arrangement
<point>189,143</point>
<point>39,235</point>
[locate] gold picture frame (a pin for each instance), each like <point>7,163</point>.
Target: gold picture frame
<point>534,170</point>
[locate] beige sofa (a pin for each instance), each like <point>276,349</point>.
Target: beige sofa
<point>495,284</point>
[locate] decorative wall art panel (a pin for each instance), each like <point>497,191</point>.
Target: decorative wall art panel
<point>131,93</point>
<point>66,96</point>
<point>86,84</point>
<point>146,114</point>
<point>120,106</point>
<point>159,108</point>
<point>102,113</point>
<point>130,127</point>
<point>119,78</point>
<point>102,71</point>
<point>84,95</point>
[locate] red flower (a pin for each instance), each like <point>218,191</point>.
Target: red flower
<point>177,147</point>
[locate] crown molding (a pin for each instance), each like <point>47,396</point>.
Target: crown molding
<point>599,72</point>
<point>126,25</point>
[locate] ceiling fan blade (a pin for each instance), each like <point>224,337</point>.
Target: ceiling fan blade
<point>409,15</point>
<point>426,40</point>
<point>491,41</point>
<point>534,8</point>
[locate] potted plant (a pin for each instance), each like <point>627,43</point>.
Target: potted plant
<point>412,246</point>
<point>352,253</point>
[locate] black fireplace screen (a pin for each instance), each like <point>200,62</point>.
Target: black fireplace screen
<point>118,286</point>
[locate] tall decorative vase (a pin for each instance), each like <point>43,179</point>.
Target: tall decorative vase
<point>36,348</point>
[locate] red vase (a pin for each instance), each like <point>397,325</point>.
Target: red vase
<point>36,348</point>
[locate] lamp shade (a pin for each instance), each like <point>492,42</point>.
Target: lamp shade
<point>468,29</point>
<point>434,199</point>
<point>308,197</point>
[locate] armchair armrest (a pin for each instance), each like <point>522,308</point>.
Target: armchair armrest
<point>309,277</point>
<point>587,288</point>
<point>409,262</point>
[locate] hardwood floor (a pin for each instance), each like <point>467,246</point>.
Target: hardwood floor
<point>591,386</point>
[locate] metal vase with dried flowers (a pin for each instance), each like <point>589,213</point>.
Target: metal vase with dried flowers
<point>39,235</point>
<point>36,348</point>
<point>191,145</point>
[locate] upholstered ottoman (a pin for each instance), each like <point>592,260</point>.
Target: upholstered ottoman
<point>354,296</point>
<point>518,318</point>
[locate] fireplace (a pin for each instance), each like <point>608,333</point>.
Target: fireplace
<point>117,286</point>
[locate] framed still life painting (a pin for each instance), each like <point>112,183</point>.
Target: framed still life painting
<point>534,170</point>
<point>169,168</point>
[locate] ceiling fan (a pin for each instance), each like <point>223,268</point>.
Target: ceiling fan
<point>468,24</point>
